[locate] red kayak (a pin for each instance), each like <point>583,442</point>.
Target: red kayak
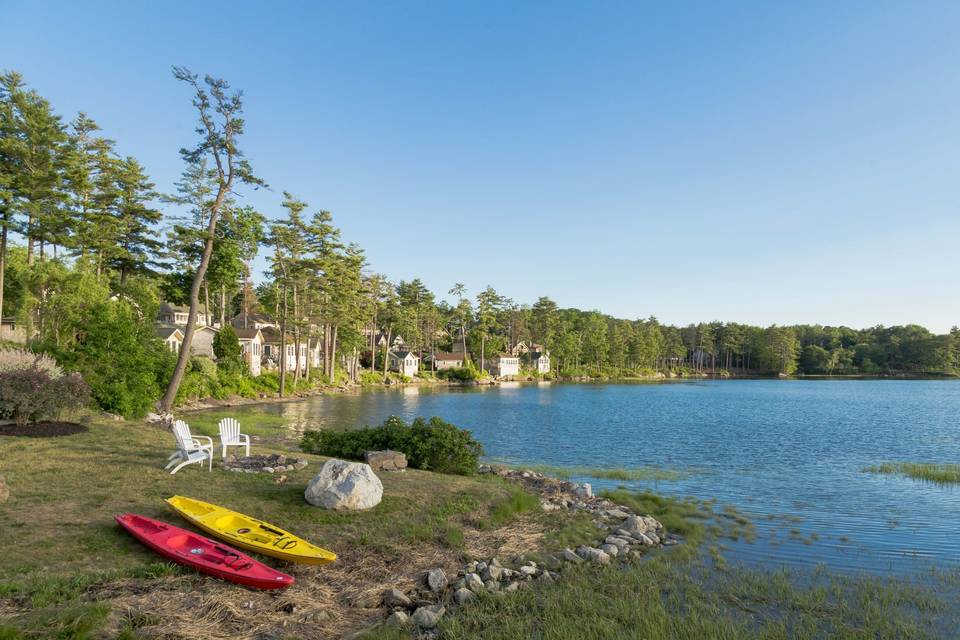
<point>202,554</point>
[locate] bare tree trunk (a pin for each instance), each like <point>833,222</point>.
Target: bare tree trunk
<point>171,393</point>
<point>206,302</point>
<point>333,355</point>
<point>386,348</point>
<point>3,259</point>
<point>223,306</point>
<point>283,343</point>
<point>30,242</point>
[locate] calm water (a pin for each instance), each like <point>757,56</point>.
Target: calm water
<point>787,453</point>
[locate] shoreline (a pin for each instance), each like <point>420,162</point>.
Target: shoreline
<point>355,389</point>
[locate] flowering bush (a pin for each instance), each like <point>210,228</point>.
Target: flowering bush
<point>19,359</point>
<point>32,394</point>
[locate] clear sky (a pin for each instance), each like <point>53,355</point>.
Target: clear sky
<point>754,162</point>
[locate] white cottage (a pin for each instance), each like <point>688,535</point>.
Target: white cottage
<point>177,314</point>
<point>503,365</point>
<point>251,344</point>
<point>202,343</point>
<point>443,360</point>
<point>404,362</point>
<point>172,337</point>
<point>540,362</point>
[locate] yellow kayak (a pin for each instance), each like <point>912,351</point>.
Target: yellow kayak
<point>249,533</point>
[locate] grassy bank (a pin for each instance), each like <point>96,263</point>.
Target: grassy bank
<point>690,592</point>
<point>75,574</point>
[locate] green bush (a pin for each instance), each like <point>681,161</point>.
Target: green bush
<point>226,346</point>
<point>462,374</point>
<point>433,445</point>
<point>118,355</point>
<point>371,377</point>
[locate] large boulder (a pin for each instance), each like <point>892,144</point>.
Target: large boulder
<point>344,485</point>
<point>386,460</point>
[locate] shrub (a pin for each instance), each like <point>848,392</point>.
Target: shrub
<point>463,374</point>
<point>119,356</point>
<point>227,348</point>
<point>433,445</point>
<point>19,359</point>
<point>32,394</point>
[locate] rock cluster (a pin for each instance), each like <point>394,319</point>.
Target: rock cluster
<point>622,535</point>
<point>386,460</point>
<point>344,485</point>
<point>274,463</point>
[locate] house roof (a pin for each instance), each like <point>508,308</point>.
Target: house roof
<point>446,355</point>
<point>164,333</point>
<point>400,355</point>
<point>252,317</point>
<point>248,334</point>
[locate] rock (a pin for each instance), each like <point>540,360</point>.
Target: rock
<point>593,555</point>
<point>634,524</point>
<point>491,573</point>
<point>495,563</point>
<point>545,577</point>
<point>644,540</point>
<point>427,617</point>
<point>398,619</point>
<point>622,543</point>
<point>570,556</point>
<point>550,562</point>
<point>653,537</point>
<point>491,586</point>
<point>437,580</point>
<point>386,460</point>
<point>4,491</point>
<point>344,485</point>
<point>584,490</point>
<point>474,583</point>
<point>611,550</point>
<point>462,596</point>
<point>617,513</point>
<point>528,570</point>
<point>512,586</point>
<point>396,598</point>
<point>546,505</point>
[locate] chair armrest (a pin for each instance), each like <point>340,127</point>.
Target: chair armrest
<point>244,438</point>
<point>197,439</point>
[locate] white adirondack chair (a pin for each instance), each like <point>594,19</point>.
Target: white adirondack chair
<point>190,449</point>
<point>230,436</point>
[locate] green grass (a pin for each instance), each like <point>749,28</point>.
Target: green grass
<point>664,598</point>
<point>607,473</point>
<point>65,493</point>
<point>936,473</point>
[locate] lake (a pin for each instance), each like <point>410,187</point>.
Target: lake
<point>788,453</point>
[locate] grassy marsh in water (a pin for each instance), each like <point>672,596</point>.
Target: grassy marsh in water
<point>938,473</point>
<point>603,473</point>
<point>690,593</point>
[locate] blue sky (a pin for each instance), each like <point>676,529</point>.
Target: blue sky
<point>752,162</point>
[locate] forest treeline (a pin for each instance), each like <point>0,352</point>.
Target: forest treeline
<point>90,246</point>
